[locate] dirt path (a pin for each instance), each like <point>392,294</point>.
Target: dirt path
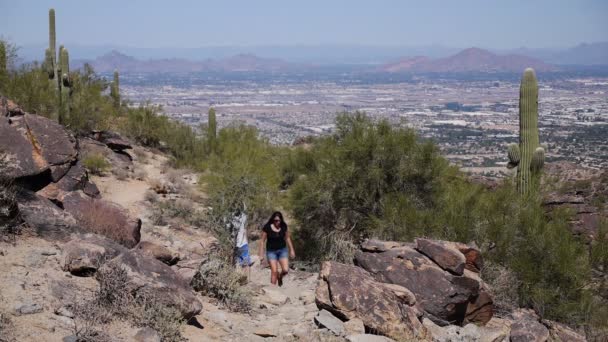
<point>279,313</point>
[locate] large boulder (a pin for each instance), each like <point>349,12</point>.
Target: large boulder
<point>75,179</point>
<point>526,327</point>
<point>157,252</point>
<point>44,217</point>
<point>350,292</point>
<point>445,297</point>
<point>39,150</point>
<point>111,139</point>
<point>443,254</point>
<point>102,217</point>
<point>82,256</point>
<point>150,276</point>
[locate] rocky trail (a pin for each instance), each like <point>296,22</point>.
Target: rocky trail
<point>137,222</point>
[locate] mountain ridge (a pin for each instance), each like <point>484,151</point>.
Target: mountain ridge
<point>472,59</point>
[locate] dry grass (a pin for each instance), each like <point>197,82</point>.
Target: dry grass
<point>219,279</point>
<point>504,285</point>
<point>113,300</point>
<point>105,219</point>
<point>120,173</point>
<point>6,328</point>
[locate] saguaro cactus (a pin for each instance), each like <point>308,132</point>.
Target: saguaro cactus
<point>115,90</point>
<point>212,129</point>
<point>51,63</point>
<point>2,59</point>
<point>528,156</point>
<point>65,85</point>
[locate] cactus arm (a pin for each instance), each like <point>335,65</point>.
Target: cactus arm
<point>538,160</point>
<point>514,156</point>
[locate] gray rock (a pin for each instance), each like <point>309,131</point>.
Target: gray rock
<point>147,335</point>
<point>71,338</point>
<point>82,256</point>
<point>527,327</point>
<point>326,320</point>
<point>443,254</point>
<point>368,338</point>
<point>353,327</point>
<point>27,308</point>
<point>65,312</point>
<point>274,296</point>
<point>46,218</point>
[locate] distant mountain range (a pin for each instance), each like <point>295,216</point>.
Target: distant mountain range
<point>582,54</point>
<point>127,64</point>
<point>468,60</point>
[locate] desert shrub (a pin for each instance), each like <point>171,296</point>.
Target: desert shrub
<point>149,311</point>
<point>140,174</point>
<point>120,173</point>
<point>371,179</point>
<point>179,208</point>
<point>599,247</point>
<point>504,285</point>
<point>96,164</point>
<point>219,279</point>
<point>8,203</point>
<point>113,300</point>
<point>100,217</point>
<point>6,327</point>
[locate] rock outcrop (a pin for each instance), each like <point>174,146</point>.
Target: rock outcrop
<point>84,255</point>
<point>447,291</point>
<point>39,150</point>
<point>350,292</point>
<point>150,276</point>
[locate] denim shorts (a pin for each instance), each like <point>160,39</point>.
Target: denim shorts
<point>282,253</point>
<point>242,256</point>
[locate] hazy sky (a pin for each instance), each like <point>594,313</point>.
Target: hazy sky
<point>189,23</point>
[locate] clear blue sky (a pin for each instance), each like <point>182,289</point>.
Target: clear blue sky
<point>189,23</point>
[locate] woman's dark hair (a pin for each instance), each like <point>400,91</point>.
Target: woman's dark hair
<point>275,214</point>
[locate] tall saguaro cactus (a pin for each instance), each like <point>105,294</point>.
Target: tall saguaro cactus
<point>115,90</point>
<point>3,59</point>
<point>528,156</point>
<point>57,65</point>
<point>212,130</point>
<point>65,84</point>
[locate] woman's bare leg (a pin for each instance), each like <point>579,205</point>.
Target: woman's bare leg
<point>284,269</point>
<point>274,271</point>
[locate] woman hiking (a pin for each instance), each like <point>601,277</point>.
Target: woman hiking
<point>275,237</point>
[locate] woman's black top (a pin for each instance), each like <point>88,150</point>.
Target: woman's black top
<point>275,240</point>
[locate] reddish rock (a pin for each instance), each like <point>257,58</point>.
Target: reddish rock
<point>373,245</point>
<point>350,292</point>
<point>443,254</point>
<point>444,296</point>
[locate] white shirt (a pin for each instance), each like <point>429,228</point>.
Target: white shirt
<point>240,222</point>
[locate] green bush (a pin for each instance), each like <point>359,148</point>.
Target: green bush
<point>372,180</point>
<point>96,164</point>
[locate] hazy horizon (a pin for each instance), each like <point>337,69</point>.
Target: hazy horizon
<point>384,24</point>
